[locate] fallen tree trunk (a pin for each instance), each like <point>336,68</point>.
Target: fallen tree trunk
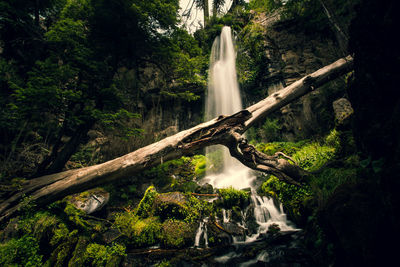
<point>224,130</point>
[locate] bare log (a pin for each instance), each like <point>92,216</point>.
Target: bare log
<point>225,130</point>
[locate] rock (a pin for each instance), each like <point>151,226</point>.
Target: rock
<point>216,236</point>
<point>10,231</point>
<point>343,110</point>
<point>205,189</point>
<point>170,205</point>
<point>111,235</point>
<point>177,234</point>
<point>234,229</point>
<point>90,201</point>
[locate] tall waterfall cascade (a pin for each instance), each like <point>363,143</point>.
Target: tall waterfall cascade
<point>223,98</point>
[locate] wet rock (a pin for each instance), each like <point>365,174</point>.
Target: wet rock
<point>205,189</point>
<point>90,201</point>
<point>217,236</point>
<point>234,229</point>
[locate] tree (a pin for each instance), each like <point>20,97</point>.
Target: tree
<point>224,130</point>
<point>59,75</point>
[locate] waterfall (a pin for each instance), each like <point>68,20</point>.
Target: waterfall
<point>223,98</point>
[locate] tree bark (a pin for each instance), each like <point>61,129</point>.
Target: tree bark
<point>225,130</point>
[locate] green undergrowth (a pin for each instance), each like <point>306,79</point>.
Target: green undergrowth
<point>169,219</point>
<point>314,156</point>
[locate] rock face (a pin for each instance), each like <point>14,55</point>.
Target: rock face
<point>291,53</point>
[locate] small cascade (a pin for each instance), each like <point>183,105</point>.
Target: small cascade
<point>201,234</point>
<point>226,214</point>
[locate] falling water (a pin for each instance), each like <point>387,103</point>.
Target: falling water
<point>223,98</point>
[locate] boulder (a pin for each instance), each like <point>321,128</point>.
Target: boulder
<point>170,205</point>
<point>343,110</point>
<point>90,201</point>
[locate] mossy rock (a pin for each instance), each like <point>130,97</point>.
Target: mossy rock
<point>78,256</point>
<point>171,205</point>
<point>177,234</point>
<point>233,197</point>
<point>145,207</point>
<point>60,256</point>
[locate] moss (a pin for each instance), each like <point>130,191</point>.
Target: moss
<point>60,256</point>
<point>78,256</point>
<point>100,255</point>
<point>200,163</point>
<point>140,232</point>
<point>197,208</point>
<point>177,234</point>
<point>21,252</point>
<point>76,216</point>
<point>234,197</point>
<point>41,225</point>
<point>145,207</point>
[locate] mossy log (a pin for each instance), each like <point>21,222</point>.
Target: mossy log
<point>224,130</point>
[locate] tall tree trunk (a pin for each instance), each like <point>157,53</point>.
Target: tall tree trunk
<point>341,36</point>
<point>206,12</point>
<point>225,130</point>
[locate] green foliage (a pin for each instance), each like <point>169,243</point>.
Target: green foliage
<point>234,197</point>
<point>325,183</point>
<point>288,148</point>
<point>177,174</point>
<point>291,196</point>
<point>197,208</point>
<point>145,207</point>
<point>270,130</point>
<point>163,263</point>
<point>40,224</point>
<point>100,255</point>
<point>309,13</point>
<point>313,156</point>
<point>200,164</point>
<point>141,232</point>
<point>265,5</point>
<point>21,252</point>
<point>252,64</point>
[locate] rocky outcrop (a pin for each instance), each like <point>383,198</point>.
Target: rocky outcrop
<point>291,53</point>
